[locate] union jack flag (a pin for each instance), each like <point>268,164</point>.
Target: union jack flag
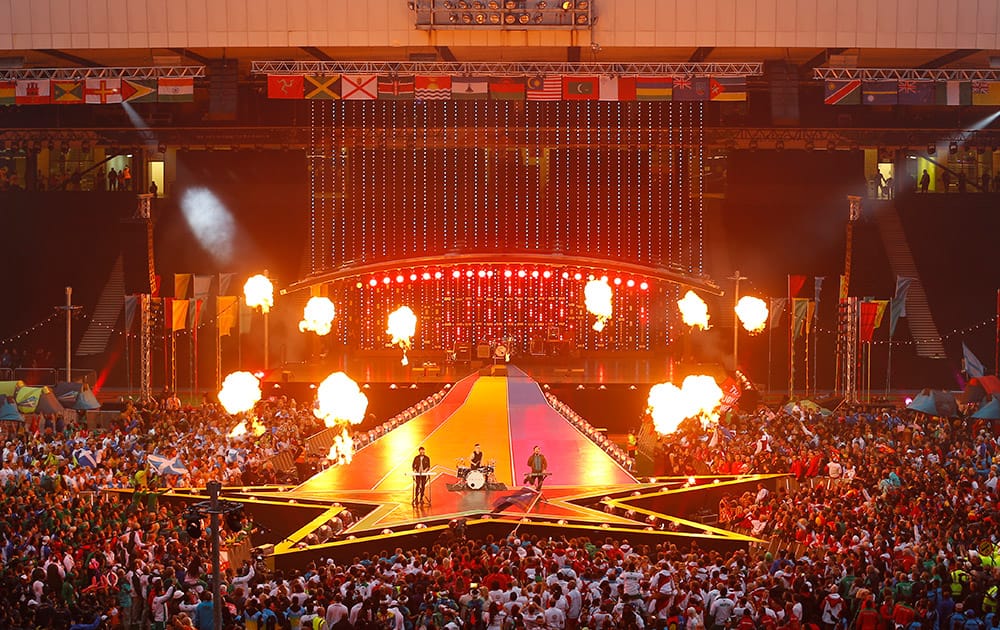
<point>980,87</point>
<point>907,87</point>
<point>683,83</point>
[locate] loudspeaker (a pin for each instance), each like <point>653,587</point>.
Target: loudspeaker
<point>137,255</point>
<point>483,351</point>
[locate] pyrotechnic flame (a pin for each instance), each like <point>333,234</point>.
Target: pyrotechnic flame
<point>318,316</point>
<point>402,326</point>
<point>752,313</point>
<point>240,392</point>
<point>698,397</point>
<point>259,291</point>
<point>694,311</point>
<point>240,429</point>
<point>342,450</point>
<point>597,297</point>
<point>339,400</point>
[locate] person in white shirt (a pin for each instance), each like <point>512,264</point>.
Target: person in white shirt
<point>721,609</point>
<point>555,618</point>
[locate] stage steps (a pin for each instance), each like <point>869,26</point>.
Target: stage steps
<point>106,313</point>
<point>918,312</point>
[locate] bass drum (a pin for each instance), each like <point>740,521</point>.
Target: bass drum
<point>475,480</point>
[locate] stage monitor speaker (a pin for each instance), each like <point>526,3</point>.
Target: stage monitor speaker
<point>537,347</point>
<point>483,351</point>
<point>137,255</point>
<point>463,352</point>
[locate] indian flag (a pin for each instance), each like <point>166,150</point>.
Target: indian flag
<point>175,89</point>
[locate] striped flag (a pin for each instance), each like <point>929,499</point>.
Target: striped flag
<point>548,88</point>
<point>395,88</point>
<point>728,88</point>
<point>879,92</point>
<point>654,88</point>
<point>507,88</point>
<point>432,88</point>
<point>175,89</point>
<point>469,88</point>
<point>954,93</point>
<point>846,92</point>
<point>8,90</point>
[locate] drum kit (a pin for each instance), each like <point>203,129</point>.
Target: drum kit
<point>474,478</point>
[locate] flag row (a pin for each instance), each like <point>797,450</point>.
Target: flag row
<point>370,87</point>
<point>893,92</point>
<point>96,91</point>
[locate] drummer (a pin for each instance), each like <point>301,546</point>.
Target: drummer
<point>476,459</point>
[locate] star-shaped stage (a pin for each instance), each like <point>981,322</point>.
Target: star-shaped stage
<point>588,493</point>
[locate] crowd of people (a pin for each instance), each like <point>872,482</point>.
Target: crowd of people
<point>891,524</point>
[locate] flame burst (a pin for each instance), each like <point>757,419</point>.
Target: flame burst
<point>240,430</point>
<point>318,316</point>
<point>694,311</point>
<point>597,297</point>
<point>339,401</point>
<point>402,326</point>
<point>752,313</point>
<point>342,450</point>
<point>259,291</point>
<point>698,397</point>
<point>240,392</point>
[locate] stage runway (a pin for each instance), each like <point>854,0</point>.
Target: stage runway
<point>507,415</point>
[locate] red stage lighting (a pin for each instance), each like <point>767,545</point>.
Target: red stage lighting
<point>438,275</point>
<point>507,273</point>
<point>618,281</point>
<point>400,278</point>
<point>482,273</point>
<point>426,276</point>
<point>546,274</point>
<point>644,286</point>
<point>534,274</point>
<point>522,273</point>
<point>630,283</point>
<point>578,276</point>
<point>468,274</point>
<point>386,280</point>
<point>456,274</point>
<point>413,277</point>
<point>565,275</point>
<point>373,282</point>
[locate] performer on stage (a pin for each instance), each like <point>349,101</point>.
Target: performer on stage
<point>539,467</point>
<point>421,464</point>
<point>476,459</point>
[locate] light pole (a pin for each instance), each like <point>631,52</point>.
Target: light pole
<point>69,308</point>
<point>736,278</point>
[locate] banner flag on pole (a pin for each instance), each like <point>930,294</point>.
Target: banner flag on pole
<point>225,314</point>
<point>880,313</point>
<point>843,287</point>
<point>182,283</point>
<point>225,281</point>
<point>795,284</point>
<point>817,289</point>
<point>866,328</point>
<point>131,306</point>
<point>194,312</point>
<point>777,308</point>
<point>973,366</point>
<point>897,308</point>
<point>800,313</point>
<point>245,314</point>
<point>179,314</point>
<point>202,286</point>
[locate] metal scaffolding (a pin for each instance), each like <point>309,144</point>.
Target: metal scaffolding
<point>908,74</point>
<point>143,211</point>
<point>78,74</point>
<point>494,68</point>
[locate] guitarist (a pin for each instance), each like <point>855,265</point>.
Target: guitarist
<point>539,468</point>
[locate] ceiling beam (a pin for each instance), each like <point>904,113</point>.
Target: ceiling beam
<point>948,58</point>
<point>65,56</point>
<point>701,54</point>
<point>317,53</point>
<point>184,52</point>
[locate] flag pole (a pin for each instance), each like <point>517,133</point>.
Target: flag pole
<point>770,336</point>
<point>996,343</point>
<point>791,343</point>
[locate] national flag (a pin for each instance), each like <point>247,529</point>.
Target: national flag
<point>986,92</point>
<point>842,92</point>
<point>32,92</point>
<point>202,286</point>
<point>654,88</point>
<point>576,88</point>
<point>954,93</point>
<point>285,86</point>
<point>103,91</point>
<point>548,88</point>
<point>358,87</point>
<point>175,89</point>
<point>67,92</point>
<point>182,284</point>
<point>178,315</point>
<point>916,92</point>
<point>322,88</point>
<point>470,88</point>
<point>795,284</point>
<point>728,88</point>
<point>395,88</point>
<point>818,288</point>
<point>432,88</point>
<point>8,91</point>
<point>882,306</point>
<point>166,465</point>
<point>879,92</point>
<point>973,366</point>
<point>691,88</point>
<point>138,91</point>
<point>225,282</point>
<point>131,307</point>
<point>508,88</point>
<point>777,307</point>
<point>843,287</point>
<point>85,458</point>
<point>225,314</point>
